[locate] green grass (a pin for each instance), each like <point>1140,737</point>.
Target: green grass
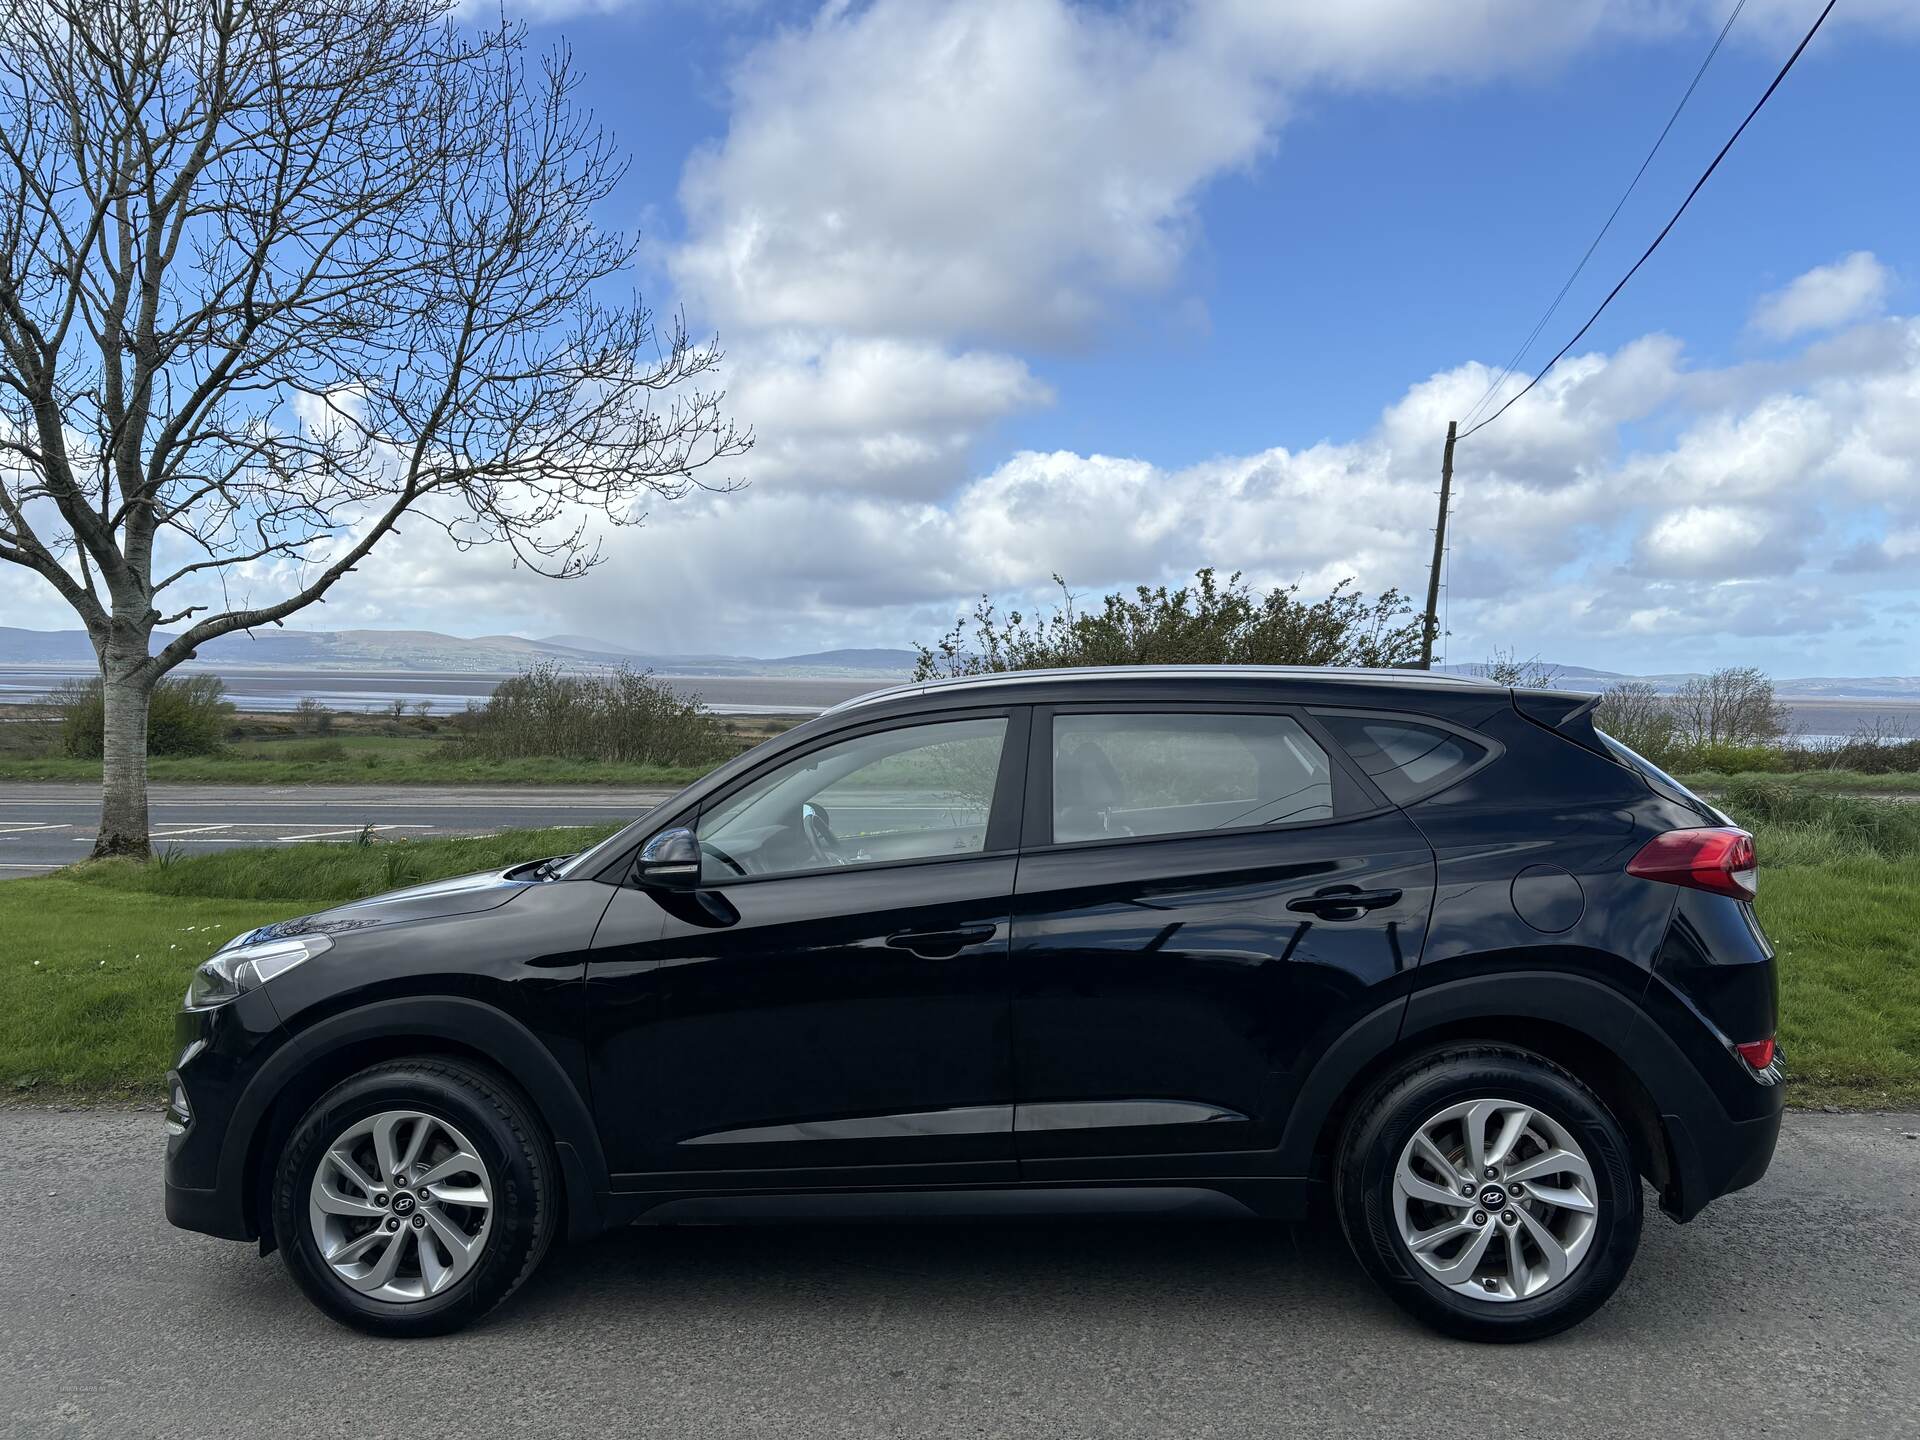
<point>1848,938</point>
<point>96,958</point>
<point>1895,783</point>
<point>327,874</point>
<point>115,943</point>
<point>91,980</point>
<point>355,760</point>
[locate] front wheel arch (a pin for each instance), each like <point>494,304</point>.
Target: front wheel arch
<point>451,1027</point>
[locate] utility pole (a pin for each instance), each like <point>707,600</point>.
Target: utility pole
<point>1432,627</point>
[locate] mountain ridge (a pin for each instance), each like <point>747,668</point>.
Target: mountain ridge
<point>430,651</point>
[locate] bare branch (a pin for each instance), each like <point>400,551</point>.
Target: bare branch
<point>278,274</point>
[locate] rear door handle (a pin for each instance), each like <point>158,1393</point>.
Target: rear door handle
<point>1343,902</point>
<point>942,944</point>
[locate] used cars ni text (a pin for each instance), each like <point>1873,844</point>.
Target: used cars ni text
<point>1436,954</point>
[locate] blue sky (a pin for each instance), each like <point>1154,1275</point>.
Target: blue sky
<point>1012,287</point>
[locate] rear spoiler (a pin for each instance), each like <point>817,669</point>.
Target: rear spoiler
<point>1565,712</point>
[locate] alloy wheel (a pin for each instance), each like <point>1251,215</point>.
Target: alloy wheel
<point>401,1206</point>
<point>1495,1199</point>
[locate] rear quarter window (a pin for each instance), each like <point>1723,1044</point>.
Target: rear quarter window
<point>1407,759</point>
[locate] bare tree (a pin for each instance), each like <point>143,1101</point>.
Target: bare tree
<point>1505,667</point>
<point>1733,706</point>
<point>277,274</point>
<point>1639,717</point>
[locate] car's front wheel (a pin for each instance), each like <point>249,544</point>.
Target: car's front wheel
<point>414,1197</point>
<point>1490,1193</point>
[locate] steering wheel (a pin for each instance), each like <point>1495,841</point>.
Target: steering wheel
<point>818,826</point>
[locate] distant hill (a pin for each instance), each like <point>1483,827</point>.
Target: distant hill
<point>1803,687</point>
<point>428,650</point>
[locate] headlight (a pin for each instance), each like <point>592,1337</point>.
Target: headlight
<point>242,967</point>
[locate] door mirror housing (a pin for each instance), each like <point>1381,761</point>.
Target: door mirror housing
<point>670,860</point>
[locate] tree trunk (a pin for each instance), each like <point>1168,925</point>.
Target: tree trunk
<point>127,693</point>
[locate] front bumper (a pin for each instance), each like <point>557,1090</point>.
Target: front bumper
<point>220,1051</point>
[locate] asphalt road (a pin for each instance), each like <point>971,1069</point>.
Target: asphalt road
<point>1790,1310</point>
<point>43,826</point>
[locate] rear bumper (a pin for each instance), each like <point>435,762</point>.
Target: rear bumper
<point>1717,1155</point>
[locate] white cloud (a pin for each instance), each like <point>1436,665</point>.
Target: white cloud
<point>1008,168</point>
<point>1824,298</point>
<point>1710,541</point>
<point>1789,512</point>
<point>871,413</point>
<point>909,191</point>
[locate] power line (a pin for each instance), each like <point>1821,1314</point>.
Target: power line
<point>1665,230</point>
<point>1541,324</point>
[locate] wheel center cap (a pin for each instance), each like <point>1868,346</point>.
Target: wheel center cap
<point>1492,1197</point>
<point>403,1203</point>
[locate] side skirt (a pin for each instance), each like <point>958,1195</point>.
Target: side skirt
<point>1233,1198</point>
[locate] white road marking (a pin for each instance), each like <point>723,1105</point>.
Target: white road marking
<point>188,830</point>
<point>196,839</point>
<point>351,830</point>
<point>23,828</point>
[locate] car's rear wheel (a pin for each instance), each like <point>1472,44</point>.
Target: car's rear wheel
<point>413,1197</point>
<point>1490,1193</point>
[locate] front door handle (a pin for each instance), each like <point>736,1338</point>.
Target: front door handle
<point>942,944</point>
<point>1343,902</point>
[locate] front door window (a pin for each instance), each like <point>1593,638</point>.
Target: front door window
<point>914,793</point>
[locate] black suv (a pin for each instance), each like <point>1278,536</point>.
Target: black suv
<point>1209,941</point>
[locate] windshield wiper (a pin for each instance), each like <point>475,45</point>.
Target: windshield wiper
<point>550,867</point>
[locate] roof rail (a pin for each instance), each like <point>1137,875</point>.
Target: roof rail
<point>1339,674</point>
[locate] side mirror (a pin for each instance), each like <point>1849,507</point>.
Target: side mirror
<point>670,861</point>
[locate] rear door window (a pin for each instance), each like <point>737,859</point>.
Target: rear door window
<point>1116,775</point>
<point>1408,760</point>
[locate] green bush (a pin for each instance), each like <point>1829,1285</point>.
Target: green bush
<point>619,716</point>
<point>1731,759</point>
<point>188,715</point>
<point>1206,623</point>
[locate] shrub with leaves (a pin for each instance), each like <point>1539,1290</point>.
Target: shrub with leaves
<point>621,716</point>
<point>1206,623</point>
<point>189,715</point>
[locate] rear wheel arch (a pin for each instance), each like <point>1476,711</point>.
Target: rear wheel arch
<point>1596,1066</point>
<point>448,1027</point>
<point>1587,1028</point>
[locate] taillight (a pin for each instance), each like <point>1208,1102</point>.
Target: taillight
<point>1757,1053</point>
<point>1719,859</point>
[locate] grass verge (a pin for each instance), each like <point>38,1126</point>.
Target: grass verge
<point>94,959</point>
<point>1847,933</point>
<point>326,874</point>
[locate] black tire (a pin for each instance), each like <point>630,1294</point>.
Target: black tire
<point>504,1132</point>
<point>1382,1125</point>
